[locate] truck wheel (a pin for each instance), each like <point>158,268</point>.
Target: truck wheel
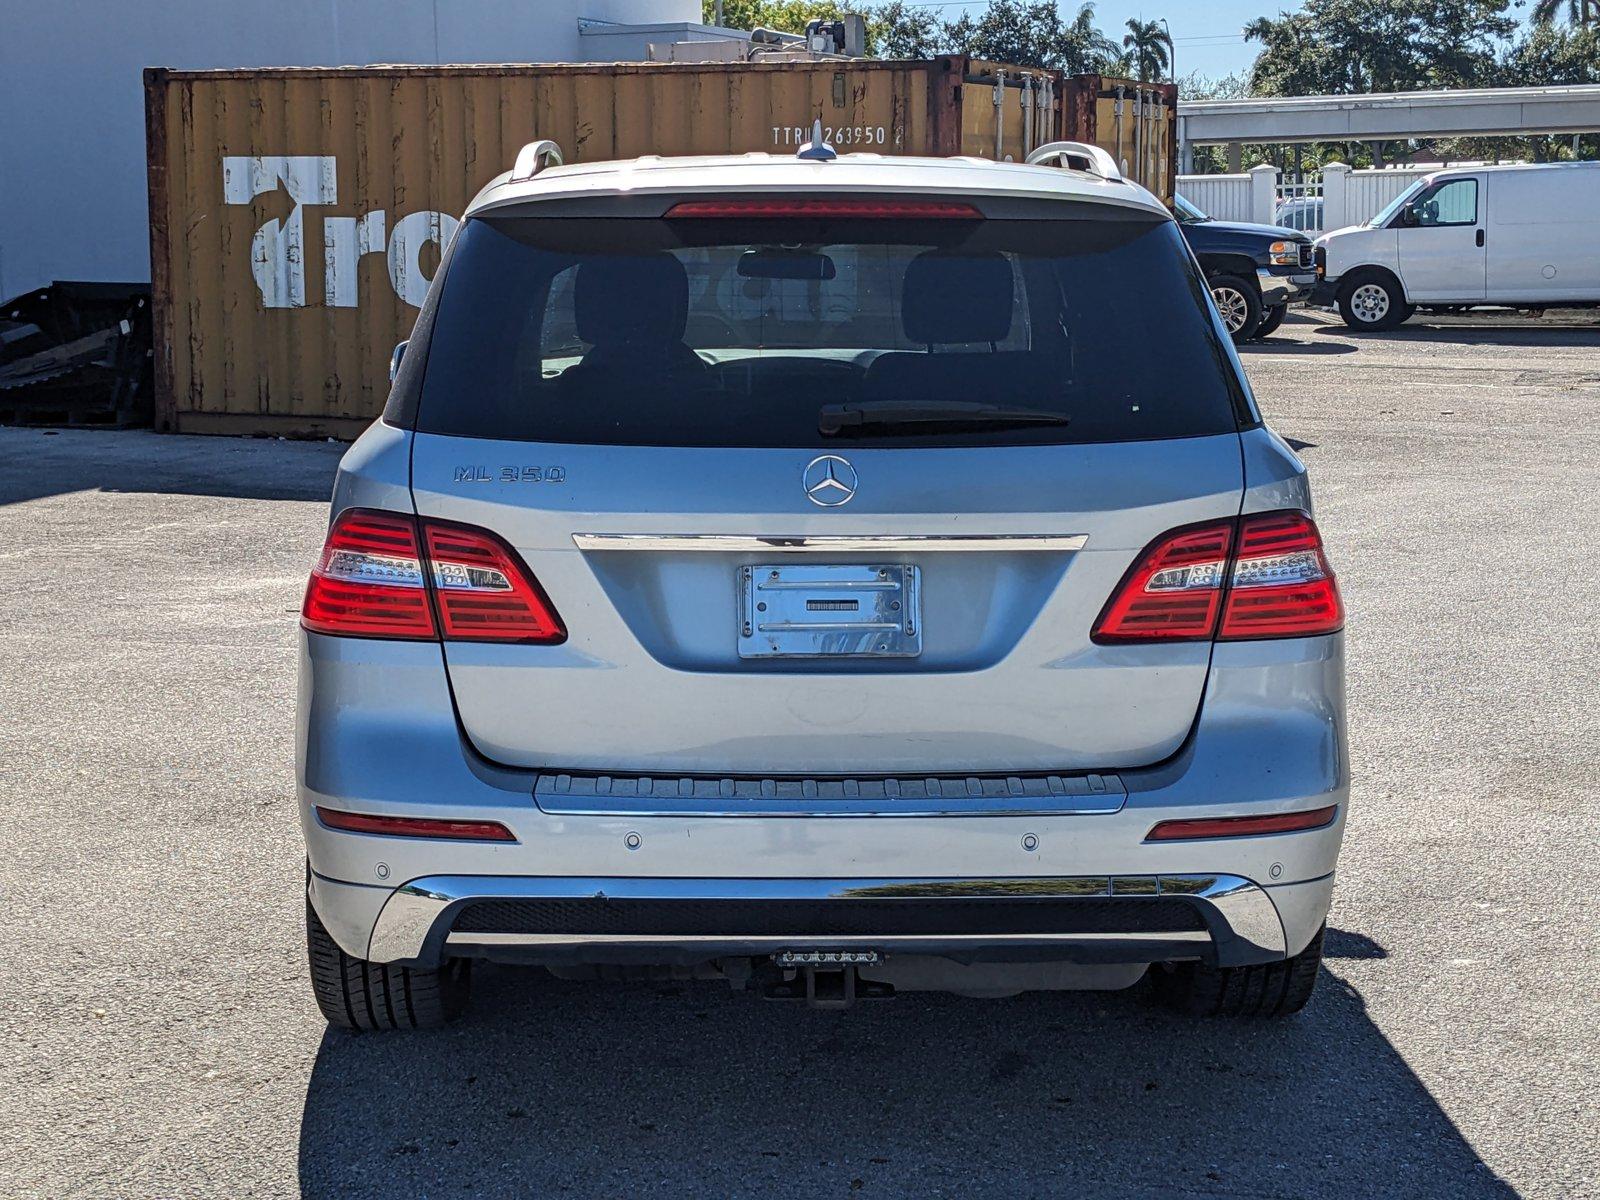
<point>1268,990</point>
<point>1272,320</point>
<point>355,994</point>
<point>1239,304</point>
<point>1373,301</point>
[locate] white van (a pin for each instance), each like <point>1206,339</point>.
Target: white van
<point>1517,236</point>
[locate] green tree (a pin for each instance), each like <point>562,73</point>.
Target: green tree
<point>1148,49</point>
<point>1547,55</point>
<point>1195,86</point>
<point>788,15</point>
<point>897,30</point>
<point>1352,46</point>
<point>901,30</point>
<point>1030,33</point>
<point>1092,50</point>
<point>1544,55</point>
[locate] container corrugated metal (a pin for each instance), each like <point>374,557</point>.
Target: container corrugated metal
<point>1136,122</point>
<point>297,215</point>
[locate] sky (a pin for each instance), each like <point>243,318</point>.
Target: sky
<point>1205,32</point>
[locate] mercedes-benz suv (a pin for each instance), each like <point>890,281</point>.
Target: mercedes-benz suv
<point>836,574</point>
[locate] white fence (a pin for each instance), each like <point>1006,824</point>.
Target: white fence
<point>1340,197</point>
<point>1232,197</point>
<point>1366,193</point>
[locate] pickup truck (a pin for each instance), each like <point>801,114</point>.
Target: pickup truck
<point>1254,271</point>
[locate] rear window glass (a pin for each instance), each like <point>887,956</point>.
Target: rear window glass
<point>814,333</point>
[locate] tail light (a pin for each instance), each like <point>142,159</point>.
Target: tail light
<point>1174,591</point>
<point>1263,576</point>
<point>1281,585</point>
<point>387,575</point>
<point>368,581</point>
<point>484,592</point>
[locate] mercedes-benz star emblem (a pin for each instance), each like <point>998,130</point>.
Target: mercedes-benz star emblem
<point>829,480</point>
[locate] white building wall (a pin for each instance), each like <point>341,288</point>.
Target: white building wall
<point>72,157</point>
<point>631,43</point>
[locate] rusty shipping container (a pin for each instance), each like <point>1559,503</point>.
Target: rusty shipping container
<point>297,215</point>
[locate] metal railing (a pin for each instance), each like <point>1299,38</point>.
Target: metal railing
<point>1300,204</point>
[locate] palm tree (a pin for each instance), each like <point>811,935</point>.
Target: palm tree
<point>1089,37</point>
<point>1149,48</point>
<point>1577,12</point>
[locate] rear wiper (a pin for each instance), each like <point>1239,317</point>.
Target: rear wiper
<point>835,419</point>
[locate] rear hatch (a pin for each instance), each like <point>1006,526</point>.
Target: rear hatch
<point>824,490</point>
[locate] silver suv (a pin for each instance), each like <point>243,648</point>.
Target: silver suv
<point>839,575</point>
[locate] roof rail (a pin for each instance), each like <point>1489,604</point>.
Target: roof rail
<point>1080,156</point>
<point>533,158</point>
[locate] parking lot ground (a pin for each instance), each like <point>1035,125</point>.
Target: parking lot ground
<point>159,1038</point>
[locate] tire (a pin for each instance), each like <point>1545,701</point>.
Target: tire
<point>355,994</point>
<point>1372,301</point>
<point>1270,322</point>
<point>1268,990</point>
<point>1239,303</point>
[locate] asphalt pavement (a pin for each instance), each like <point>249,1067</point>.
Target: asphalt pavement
<point>158,1038</point>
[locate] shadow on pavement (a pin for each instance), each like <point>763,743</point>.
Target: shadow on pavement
<point>42,462</point>
<point>1341,943</point>
<point>692,1090</point>
<point>1277,343</point>
<point>1420,329</point>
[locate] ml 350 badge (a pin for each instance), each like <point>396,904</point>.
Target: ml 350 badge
<point>510,475</point>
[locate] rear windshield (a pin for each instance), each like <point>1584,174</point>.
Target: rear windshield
<point>809,332</point>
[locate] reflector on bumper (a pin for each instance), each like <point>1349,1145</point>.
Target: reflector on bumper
<point>1220,827</point>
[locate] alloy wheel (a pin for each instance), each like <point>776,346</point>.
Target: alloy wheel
<point>1235,309</point>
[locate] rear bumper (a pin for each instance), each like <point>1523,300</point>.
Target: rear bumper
<point>378,735</point>
<point>1222,919</point>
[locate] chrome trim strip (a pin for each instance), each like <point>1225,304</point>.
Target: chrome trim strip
<point>1198,936</point>
<point>410,914</point>
<point>733,543</point>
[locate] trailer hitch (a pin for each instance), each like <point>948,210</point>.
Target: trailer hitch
<point>824,978</point>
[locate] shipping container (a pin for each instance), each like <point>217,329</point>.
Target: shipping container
<point>297,215</point>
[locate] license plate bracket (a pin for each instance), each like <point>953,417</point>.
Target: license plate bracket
<point>817,610</point>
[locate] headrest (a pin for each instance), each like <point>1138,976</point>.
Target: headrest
<point>633,298</point>
<point>953,298</point>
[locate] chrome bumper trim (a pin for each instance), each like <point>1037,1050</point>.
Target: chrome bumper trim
<point>723,543</point>
<point>1280,289</point>
<point>1199,937</point>
<point>409,918</point>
